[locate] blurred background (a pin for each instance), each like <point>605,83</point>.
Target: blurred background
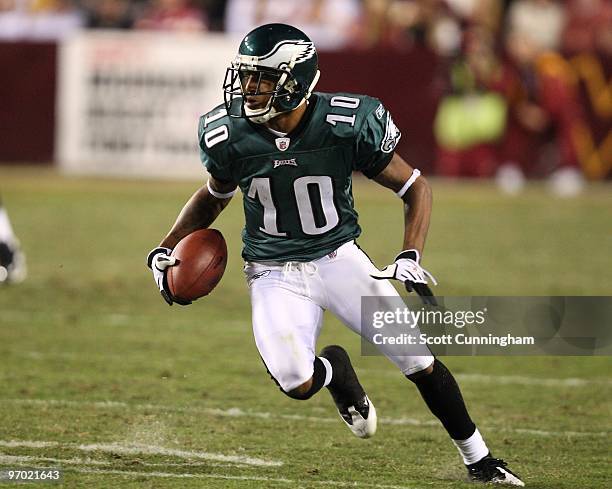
<point>507,90</point>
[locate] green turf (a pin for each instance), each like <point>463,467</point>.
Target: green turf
<point>88,326</point>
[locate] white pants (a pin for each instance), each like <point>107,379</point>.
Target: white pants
<point>288,300</point>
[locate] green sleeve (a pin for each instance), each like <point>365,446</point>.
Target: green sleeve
<point>215,163</point>
<point>376,142</point>
<point>218,170</point>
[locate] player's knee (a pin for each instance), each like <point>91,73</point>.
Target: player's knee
<point>416,376</point>
<point>301,392</point>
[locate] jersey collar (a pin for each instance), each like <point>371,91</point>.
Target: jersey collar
<point>297,131</point>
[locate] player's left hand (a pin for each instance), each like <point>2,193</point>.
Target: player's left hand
<point>407,269</point>
<point>158,261</point>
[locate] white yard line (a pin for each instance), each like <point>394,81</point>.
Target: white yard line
<point>9,459</point>
<point>26,459</point>
<point>467,378</point>
<point>507,379</point>
<point>521,380</point>
<point>528,431</point>
<point>239,413</point>
<point>138,449</point>
<point>28,444</point>
<point>172,452</point>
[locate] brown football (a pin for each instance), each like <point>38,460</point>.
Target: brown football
<point>202,258</point>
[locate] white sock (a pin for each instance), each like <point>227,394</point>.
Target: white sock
<point>473,449</point>
<point>328,371</point>
<point>6,231</point>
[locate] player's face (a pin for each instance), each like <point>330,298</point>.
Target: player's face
<point>257,87</point>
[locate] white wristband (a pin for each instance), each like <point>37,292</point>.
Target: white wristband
<point>409,182</point>
<point>219,195</point>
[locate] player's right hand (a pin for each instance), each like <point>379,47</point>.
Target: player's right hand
<point>159,260</point>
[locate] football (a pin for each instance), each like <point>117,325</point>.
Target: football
<point>202,259</point>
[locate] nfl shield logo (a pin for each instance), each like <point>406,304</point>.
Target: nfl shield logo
<point>282,143</point>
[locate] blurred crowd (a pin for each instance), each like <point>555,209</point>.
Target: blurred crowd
<point>511,78</point>
<point>572,25</point>
<point>505,82</point>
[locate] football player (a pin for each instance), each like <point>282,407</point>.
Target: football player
<point>292,152</point>
<point>12,259</point>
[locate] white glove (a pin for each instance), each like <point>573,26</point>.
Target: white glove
<point>407,269</point>
<point>158,261</point>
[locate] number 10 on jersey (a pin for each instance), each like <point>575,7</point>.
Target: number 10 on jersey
<point>261,190</point>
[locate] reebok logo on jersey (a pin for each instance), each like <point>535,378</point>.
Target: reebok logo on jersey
<point>257,275</point>
<point>291,162</point>
<point>265,273</point>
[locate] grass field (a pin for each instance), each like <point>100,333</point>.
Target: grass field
<point>98,376</point>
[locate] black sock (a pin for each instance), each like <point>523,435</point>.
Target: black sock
<point>337,358</point>
<point>344,386</point>
<point>443,397</point>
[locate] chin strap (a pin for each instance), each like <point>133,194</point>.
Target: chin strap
<point>260,119</point>
<point>272,113</point>
<point>269,115</point>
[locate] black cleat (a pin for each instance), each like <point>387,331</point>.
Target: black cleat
<point>491,470</point>
<point>354,407</point>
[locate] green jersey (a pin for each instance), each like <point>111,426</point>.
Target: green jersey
<point>297,194</point>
